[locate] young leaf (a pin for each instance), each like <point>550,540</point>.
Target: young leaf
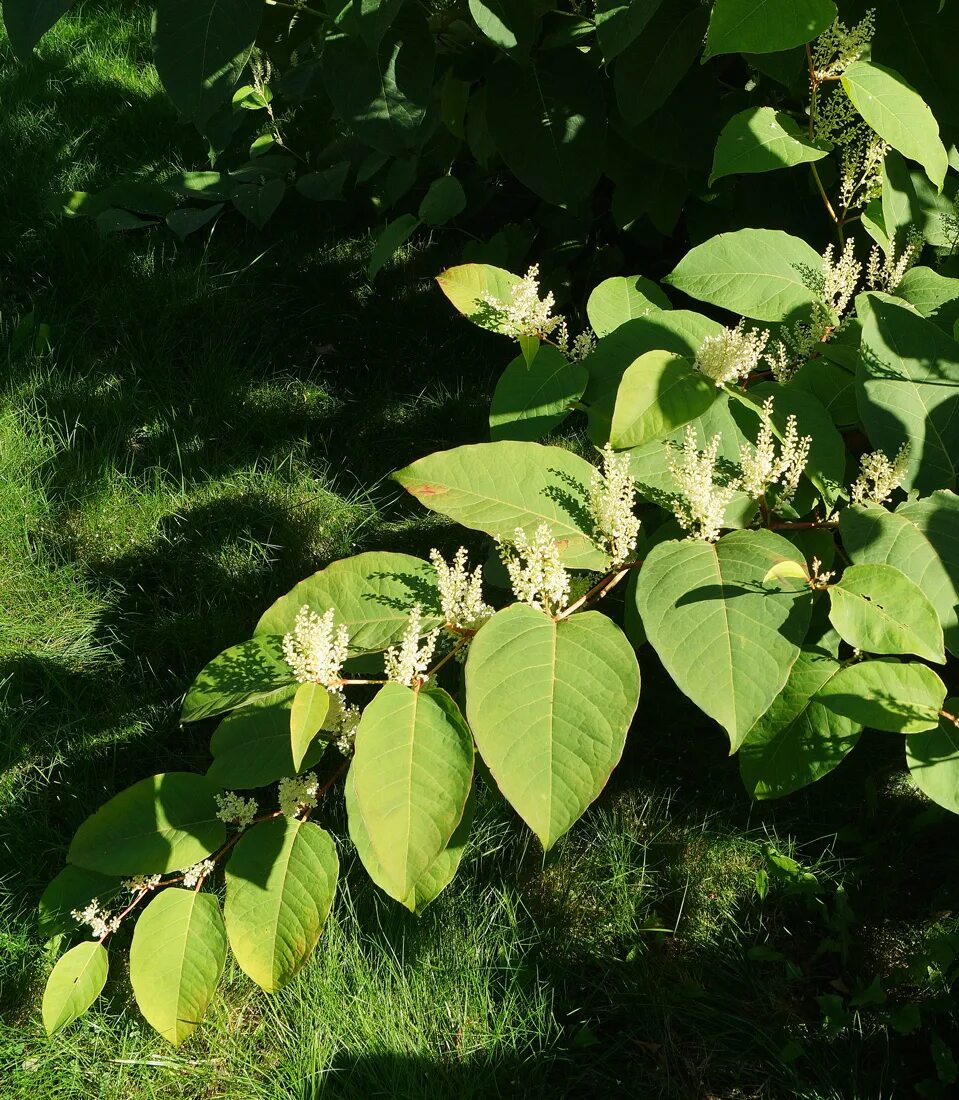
<point>619,22</point>
<point>549,705</point>
<point>766,26</point>
<point>756,272</point>
<point>798,740</point>
<point>239,675</point>
<point>497,487</point>
<point>310,709</point>
<point>618,300</point>
<point>396,234</point>
<point>898,114</point>
<point>761,139</point>
<point>160,824</point>
<point>933,759</point>
<point>176,960</point>
<point>728,640</point>
<point>444,200</point>
<point>465,286</point>
<point>74,984</point>
<point>412,774</point>
<point>877,609</point>
<point>73,888</point>
<point>280,882</point>
<point>530,401</point>
<point>886,695</point>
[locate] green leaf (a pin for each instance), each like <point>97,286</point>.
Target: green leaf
<point>877,609</point>
<point>937,517</point>
<point>27,21</point>
<point>280,882</point>
<point>766,26</point>
<point>190,219</point>
<point>393,237</point>
<point>374,17</point>
<point>618,300</point>
<point>548,121</point>
<point>906,384</point>
<point>73,888</point>
<point>176,960</point>
<point>619,22</point>
<point>444,200</point>
<point>497,487</point>
<point>466,285</point>
<point>529,401</point>
<point>898,114</point>
<point>549,705</point>
<point>509,24</point>
<point>161,824</point>
<point>756,272</point>
<point>876,536</point>
<point>325,185</point>
<point>761,139</point>
<point>887,695</point>
<point>239,675</point>
<point>200,48</point>
<point>798,740</point>
<point>310,709</point>
<point>659,392</point>
<point>933,759</point>
<point>372,594</point>
<point>727,639</point>
<point>74,984</point>
<point>833,386</point>
<point>257,202</point>
<point>253,746</point>
<point>412,773</point>
<point>934,295</point>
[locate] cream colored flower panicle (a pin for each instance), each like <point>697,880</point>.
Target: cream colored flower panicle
<point>580,347</point>
<point>297,793</point>
<point>138,883</point>
<point>315,650</point>
<point>885,271</point>
<point>536,569</point>
<point>839,46</point>
<point>524,313</point>
<point>410,661</point>
<point>461,592</point>
<point>346,727</point>
<point>196,873</point>
<point>702,505</point>
<point>764,464</point>
<point>732,354</point>
<point>879,477</point>
<point>101,921</point>
<point>234,809</point>
<point>612,496</point>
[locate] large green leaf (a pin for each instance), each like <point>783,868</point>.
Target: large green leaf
<point>444,200</point>
<point>797,740</point>
<point>766,26</point>
<point>74,984</point>
<point>160,824</point>
<point>907,389</point>
<point>659,392</point>
<point>73,888</point>
<point>176,960</point>
<point>411,775</point>
<point>200,48</point>
<point>618,300</point>
<point>760,273</point>
<point>761,139</point>
<point>529,401</point>
<point>933,759</point>
<point>549,705</point>
<point>937,517</point>
<point>548,120</point>
<point>497,487</point>
<point>372,595</point>
<point>466,285</point>
<point>728,638</point>
<point>619,22</point>
<point>934,295</point>
<point>877,536</point>
<point>280,882</point>
<point>886,695</point>
<point>898,114</point>
<point>510,24</point>
<point>241,674</point>
<point>27,21</point>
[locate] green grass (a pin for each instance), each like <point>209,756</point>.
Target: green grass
<point>215,421</point>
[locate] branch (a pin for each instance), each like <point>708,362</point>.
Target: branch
<point>602,588</point>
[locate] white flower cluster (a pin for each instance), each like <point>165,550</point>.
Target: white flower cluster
<point>703,501</point>
<point>315,650</point>
<point>101,921</point>
<point>885,271</point>
<point>732,354</point>
<point>763,467</point>
<point>346,728</point>
<point>139,883</point>
<point>612,495</point>
<point>198,872</point>
<point>839,46</point>
<point>234,809</point>
<point>820,577</point>
<point>535,569</point>
<point>410,661</point>
<point>879,477</point>
<point>461,592</point>
<point>525,313</point>
<point>577,349</point>
<point>297,793</point>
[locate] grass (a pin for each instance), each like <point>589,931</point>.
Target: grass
<point>215,421</point>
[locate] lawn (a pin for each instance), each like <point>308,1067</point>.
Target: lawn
<point>215,420</point>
